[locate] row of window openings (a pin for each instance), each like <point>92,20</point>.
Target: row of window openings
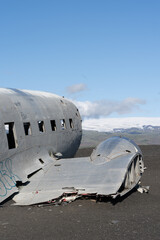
<point>11,134</point>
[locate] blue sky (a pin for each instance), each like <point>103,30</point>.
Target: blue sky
<point>103,54</point>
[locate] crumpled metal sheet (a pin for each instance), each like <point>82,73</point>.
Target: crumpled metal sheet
<point>114,168</point>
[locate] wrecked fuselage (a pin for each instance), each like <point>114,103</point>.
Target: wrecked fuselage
<point>40,133</point>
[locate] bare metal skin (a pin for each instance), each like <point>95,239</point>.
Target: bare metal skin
<point>38,130</point>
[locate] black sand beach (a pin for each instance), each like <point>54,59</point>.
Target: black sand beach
<point>135,217</point>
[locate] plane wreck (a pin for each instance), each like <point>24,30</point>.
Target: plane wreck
<point>40,134</point>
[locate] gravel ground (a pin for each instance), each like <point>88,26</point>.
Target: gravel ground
<point>135,217</point>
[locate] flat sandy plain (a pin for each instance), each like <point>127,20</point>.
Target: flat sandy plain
<point>135,217</point>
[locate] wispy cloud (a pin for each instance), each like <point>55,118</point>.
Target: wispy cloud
<point>105,108</point>
<point>76,88</point>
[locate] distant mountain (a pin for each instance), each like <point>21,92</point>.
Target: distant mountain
<point>144,131</point>
<point>136,130</point>
<point>121,124</point>
<point>148,135</point>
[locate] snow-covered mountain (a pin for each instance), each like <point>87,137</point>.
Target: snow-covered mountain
<point>121,124</point>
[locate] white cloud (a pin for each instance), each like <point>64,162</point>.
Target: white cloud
<point>105,107</point>
<point>76,88</point>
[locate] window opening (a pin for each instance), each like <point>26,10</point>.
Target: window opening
<point>41,126</point>
<point>71,123</point>
<point>27,128</point>
<point>53,125</point>
<point>11,135</point>
<point>63,124</point>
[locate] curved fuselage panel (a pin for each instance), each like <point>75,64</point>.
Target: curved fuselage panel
<point>34,119</point>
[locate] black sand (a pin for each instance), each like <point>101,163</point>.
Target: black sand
<point>136,217</point>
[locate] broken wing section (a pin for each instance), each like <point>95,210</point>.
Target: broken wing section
<point>114,168</point>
